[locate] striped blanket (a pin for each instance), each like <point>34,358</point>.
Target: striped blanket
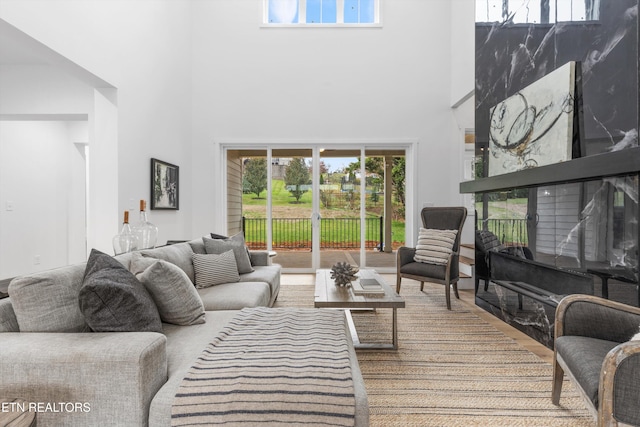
<point>271,367</point>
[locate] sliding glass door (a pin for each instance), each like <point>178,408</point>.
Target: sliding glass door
<point>292,207</point>
<point>315,206</point>
<point>340,207</point>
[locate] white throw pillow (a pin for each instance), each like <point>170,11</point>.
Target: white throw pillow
<point>212,269</point>
<point>434,246</point>
<point>636,337</point>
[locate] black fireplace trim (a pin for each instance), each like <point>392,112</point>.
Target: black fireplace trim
<point>623,162</point>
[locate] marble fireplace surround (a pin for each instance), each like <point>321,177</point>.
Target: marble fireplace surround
<point>525,293</point>
<point>509,57</point>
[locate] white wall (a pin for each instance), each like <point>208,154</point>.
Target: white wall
<point>142,48</point>
<point>464,115</point>
<point>41,90</point>
<point>190,74</point>
<point>42,194</point>
<point>346,84</point>
<point>463,35</point>
<point>462,87</point>
<point>43,114</point>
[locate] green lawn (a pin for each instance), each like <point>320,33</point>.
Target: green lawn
<point>513,208</point>
<point>338,232</point>
<point>507,219</point>
<point>340,226</point>
<point>279,196</point>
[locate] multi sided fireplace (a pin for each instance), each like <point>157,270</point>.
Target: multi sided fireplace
<point>580,236</point>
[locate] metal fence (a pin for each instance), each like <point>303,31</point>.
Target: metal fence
<point>295,233</point>
<point>511,232</point>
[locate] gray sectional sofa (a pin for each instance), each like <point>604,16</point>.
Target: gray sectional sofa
<point>118,378</point>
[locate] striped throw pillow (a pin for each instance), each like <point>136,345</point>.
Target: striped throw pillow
<point>434,246</point>
<point>214,269</point>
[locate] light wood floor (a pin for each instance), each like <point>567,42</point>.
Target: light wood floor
<point>467,298</point>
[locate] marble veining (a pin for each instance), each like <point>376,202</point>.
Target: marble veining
<point>568,225</point>
<point>511,56</point>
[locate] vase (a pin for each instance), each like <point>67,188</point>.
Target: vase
<point>146,232</point>
<point>125,241</point>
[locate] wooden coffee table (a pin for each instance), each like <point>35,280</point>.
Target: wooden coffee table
<point>328,295</point>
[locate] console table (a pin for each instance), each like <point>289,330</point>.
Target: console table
<point>614,273</point>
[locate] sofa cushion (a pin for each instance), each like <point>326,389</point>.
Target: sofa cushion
<point>48,301</point>
<point>584,357</point>
<point>8,321</point>
<point>175,296</point>
<point>214,269</point>
<point>178,254</point>
<point>269,274</point>
<point>235,296</point>
<point>184,345</point>
<point>235,243</point>
<point>436,271</point>
<point>435,246</point>
<point>113,300</point>
<point>140,263</point>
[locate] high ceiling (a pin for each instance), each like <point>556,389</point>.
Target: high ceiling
<point>17,50</point>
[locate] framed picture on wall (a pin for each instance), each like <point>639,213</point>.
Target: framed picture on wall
<point>164,185</point>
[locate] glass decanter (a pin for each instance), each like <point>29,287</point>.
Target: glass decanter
<point>146,232</point>
<point>125,241</point>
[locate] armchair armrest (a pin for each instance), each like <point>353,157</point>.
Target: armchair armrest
<point>595,317</point>
<point>619,387</point>
<point>114,376</point>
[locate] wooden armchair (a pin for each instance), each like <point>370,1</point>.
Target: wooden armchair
<point>592,347</point>
<point>441,218</point>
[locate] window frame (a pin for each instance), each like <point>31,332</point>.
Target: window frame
<point>302,16</point>
<point>548,16</point>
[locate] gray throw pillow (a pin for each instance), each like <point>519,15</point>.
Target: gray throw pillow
<point>48,301</point>
<point>177,300</point>
<point>140,263</point>
<point>214,269</point>
<point>178,254</point>
<point>113,300</point>
<point>235,243</point>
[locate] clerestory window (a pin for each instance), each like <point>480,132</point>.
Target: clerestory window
<point>537,11</point>
<point>322,12</point>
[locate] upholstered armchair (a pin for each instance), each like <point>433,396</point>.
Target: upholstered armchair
<point>438,218</point>
<point>592,347</point>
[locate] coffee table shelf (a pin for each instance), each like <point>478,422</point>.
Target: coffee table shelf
<point>328,295</point>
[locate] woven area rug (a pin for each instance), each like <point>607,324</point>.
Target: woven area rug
<point>452,368</point>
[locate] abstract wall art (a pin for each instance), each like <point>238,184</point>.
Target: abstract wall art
<point>534,127</point>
